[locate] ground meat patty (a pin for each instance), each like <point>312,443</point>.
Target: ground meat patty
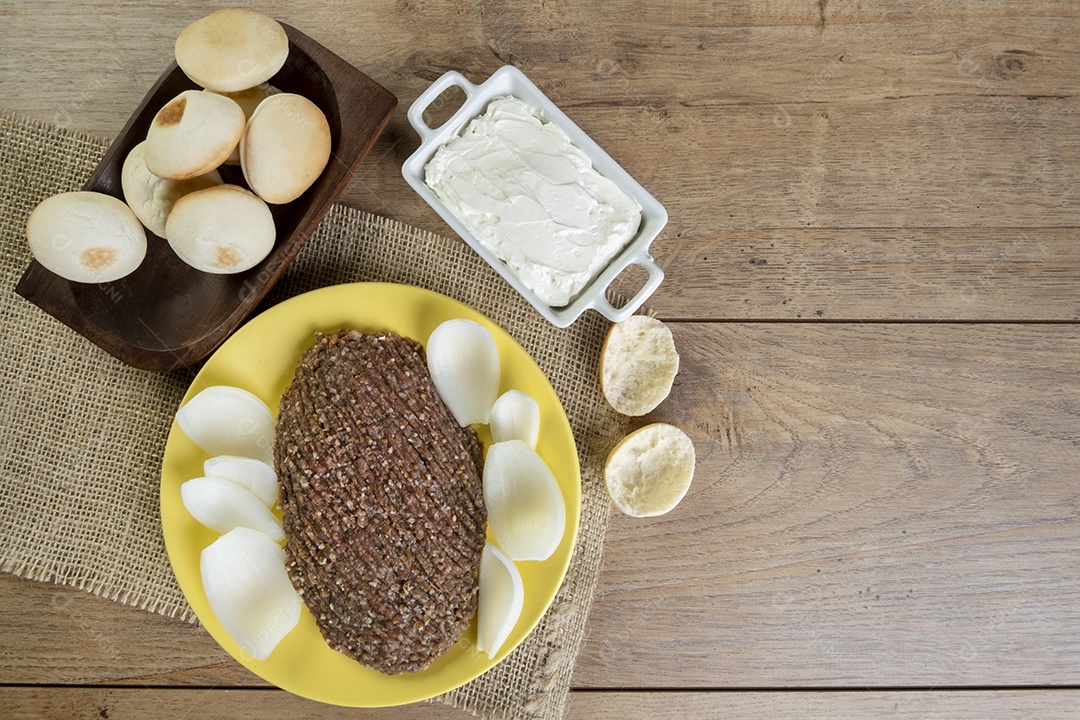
<point>382,501</point>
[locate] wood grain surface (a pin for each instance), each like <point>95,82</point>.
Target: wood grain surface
<point>872,267</point>
<point>138,703</point>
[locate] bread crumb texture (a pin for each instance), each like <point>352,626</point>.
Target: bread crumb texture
<point>649,472</point>
<point>638,365</point>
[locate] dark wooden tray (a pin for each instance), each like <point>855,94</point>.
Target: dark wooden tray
<point>166,315</point>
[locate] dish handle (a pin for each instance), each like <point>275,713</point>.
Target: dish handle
<point>446,81</point>
<point>614,314</point>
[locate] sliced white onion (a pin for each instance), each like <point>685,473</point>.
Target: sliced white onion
<point>502,595</point>
<point>226,420</point>
<point>222,505</point>
<point>525,506</point>
<point>464,364</point>
<point>244,577</point>
<point>515,416</point>
<point>252,474</point>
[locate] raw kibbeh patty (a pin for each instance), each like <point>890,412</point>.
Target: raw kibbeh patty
<point>382,501</point>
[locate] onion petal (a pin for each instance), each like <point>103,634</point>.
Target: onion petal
<point>222,505</point>
<point>525,506</point>
<point>249,473</point>
<point>226,420</point>
<point>515,415</point>
<point>464,364</point>
<point>502,595</point>
<point>249,591</point>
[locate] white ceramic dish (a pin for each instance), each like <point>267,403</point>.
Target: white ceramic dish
<point>508,80</point>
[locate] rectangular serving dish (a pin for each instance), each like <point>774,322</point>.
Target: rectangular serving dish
<point>167,315</point>
<point>508,80</point>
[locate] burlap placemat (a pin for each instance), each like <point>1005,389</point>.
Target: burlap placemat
<point>82,435</point>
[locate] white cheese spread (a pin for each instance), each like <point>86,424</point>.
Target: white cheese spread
<point>534,199</point>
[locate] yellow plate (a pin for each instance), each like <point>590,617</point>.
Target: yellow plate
<point>261,357</point>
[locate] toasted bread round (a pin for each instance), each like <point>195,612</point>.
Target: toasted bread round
<point>649,471</point>
<point>192,134</point>
<point>638,364</point>
<point>248,100</point>
<point>232,49</point>
<point>222,229</point>
<point>86,237</point>
<point>150,197</point>
<point>285,147</point>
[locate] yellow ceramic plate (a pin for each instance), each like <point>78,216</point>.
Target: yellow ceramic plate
<point>261,357</point>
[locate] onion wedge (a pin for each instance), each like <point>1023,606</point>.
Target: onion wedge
<point>464,364</point>
<point>226,420</point>
<point>525,507</point>
<point>515,415</point>
<point>502,595</point>
<point>249,591</point>
<point>222,505</point>
<point>249,473</point>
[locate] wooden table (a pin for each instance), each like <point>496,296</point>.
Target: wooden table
<point>872,276</point>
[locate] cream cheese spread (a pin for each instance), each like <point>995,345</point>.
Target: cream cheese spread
<point>534,199</point>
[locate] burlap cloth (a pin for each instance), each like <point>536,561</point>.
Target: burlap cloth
<point>82,434</point>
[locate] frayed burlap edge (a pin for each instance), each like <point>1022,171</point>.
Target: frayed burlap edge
<point>39,159</point>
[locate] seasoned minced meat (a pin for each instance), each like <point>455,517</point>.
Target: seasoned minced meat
<point>382,500</point>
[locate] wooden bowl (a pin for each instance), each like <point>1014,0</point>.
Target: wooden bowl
<point>166,314</point>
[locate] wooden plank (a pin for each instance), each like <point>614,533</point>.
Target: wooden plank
<point>874,506</point>
<point>877,505</point>
<point>836,216</point>
<point>740,52</point>
<point>1013,274</point>
<point>45,703</point>
<point>912,164</point>
<point>972,125</point>
<point>62,635</point>
<point>672,62</point>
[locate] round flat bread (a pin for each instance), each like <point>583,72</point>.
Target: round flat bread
<point>194,133</point>
<point>222,229</point>
<point>232,49</point>
<point>150,197</point>
<point>285,147</point>
<point>86,237</point>
<point>248,100</point>
<point>650,470</point>
<point>638,364</point>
